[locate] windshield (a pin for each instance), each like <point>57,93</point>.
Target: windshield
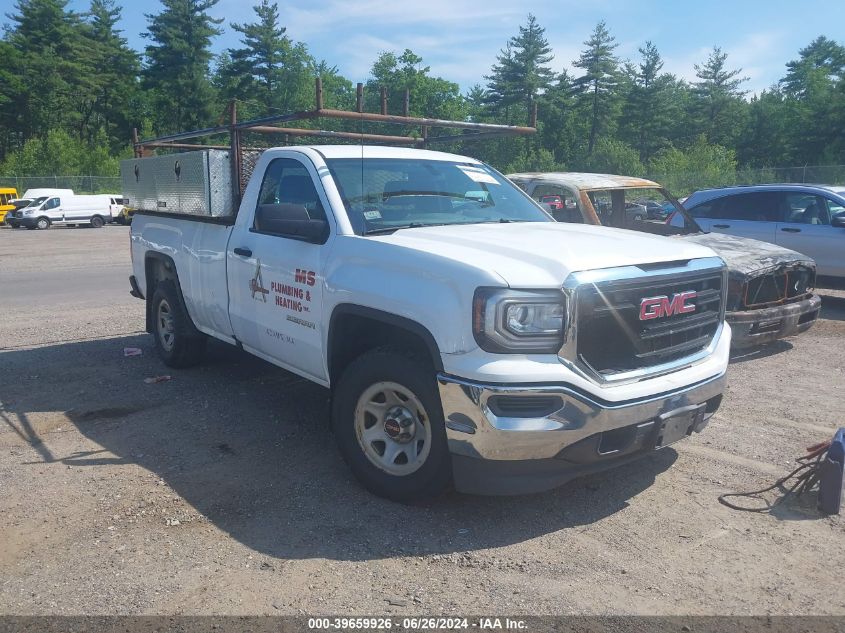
<point>645,209</point>
<point>382,195</point>
<point>37,202</point>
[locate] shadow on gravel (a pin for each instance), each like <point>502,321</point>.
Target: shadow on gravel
<point>762,351</point>
<point>248,446</point>
<point>833,308</point>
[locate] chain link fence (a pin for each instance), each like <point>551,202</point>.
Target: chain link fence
<point>79,184</point>
<point>678,183</point>
<point>682,184</point>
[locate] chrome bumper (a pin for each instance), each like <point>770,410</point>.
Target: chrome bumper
<point>474,430</point>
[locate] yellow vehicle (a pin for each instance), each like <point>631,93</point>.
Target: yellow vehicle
<point>6,194</point>
<point>125,216</point>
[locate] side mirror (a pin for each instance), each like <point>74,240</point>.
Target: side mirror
<point>290,220</point>
<point>838,221</point>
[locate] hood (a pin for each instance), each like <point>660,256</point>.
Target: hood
<point>543,254</point>
<point>747,258</point>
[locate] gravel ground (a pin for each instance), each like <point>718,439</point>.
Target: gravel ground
<point>221,491</point>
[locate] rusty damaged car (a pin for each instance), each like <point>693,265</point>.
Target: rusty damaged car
<point>771,288</point>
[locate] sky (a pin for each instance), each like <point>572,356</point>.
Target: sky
<point>459,39</point>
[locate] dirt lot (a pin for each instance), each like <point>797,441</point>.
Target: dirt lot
<point>221,491</point>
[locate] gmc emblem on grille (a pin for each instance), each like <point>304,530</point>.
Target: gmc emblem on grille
<point>659,307</point>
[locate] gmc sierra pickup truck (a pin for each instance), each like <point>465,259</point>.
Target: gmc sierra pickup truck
<point>466,337</point>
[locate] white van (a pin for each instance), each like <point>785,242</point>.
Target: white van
<point>94,210</point>
<point>116,206</point>
<point>34,194</point>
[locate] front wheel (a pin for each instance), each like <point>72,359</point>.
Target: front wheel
<point>177,341</point>
<point>389,426</point>
<point>43,223</point>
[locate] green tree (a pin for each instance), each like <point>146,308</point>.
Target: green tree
<point>54,64</point>
<point>178,60</point>
<point>822,54</point>
<point>597,87</point>
<point>701,165</point>
<point>718,98</point>
<point>814,103</point>
<point>765,140</point>
<point>60,153</point>
<point>11,91</point>
<point>113,106</point>
<point>561,131</point>
<point>429,96</point>
<point>612,156</point>
<point>275,72</point>
<point>521,72</point>
<point>651,107</point>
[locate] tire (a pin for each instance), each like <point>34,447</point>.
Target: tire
<point>178,343</point>
<point>638,218</point>
<point>42,224</point>
<point>97,222</point>
<point>421,465</point>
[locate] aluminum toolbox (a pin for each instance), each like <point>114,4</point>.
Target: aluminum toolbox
<point>192,183</point>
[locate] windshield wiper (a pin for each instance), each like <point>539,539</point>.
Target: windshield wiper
<point>381,230</point>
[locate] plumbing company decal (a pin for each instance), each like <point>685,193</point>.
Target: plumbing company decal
<point>296,297</point>
<point>256,284</point>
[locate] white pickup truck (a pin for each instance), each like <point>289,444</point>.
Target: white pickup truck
<point>466,337</point>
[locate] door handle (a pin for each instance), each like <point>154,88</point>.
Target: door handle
<point>721,226</point>
<point>243,252</point>
<point>785,230</point>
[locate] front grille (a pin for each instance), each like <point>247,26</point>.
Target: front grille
<point>612,339</point>
<point>779,286</point>
<point>766,289</point>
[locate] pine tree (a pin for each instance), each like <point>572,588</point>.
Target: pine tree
<point>596,88</point>
<point>178,64</point>
<point>114,104</point>
<point>560,130</point>
<point>521,73</point>
<point>718,98</point>
<point>11,91</point>
<point>650,108</point>
<point>821,55</point>
<point>55,65</point>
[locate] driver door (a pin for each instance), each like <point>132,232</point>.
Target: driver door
<point>275,279</point>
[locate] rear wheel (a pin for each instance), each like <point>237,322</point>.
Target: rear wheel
<point>97,222</point>
<point>177,341</point>
<point>389,426</point>
<point>43,223</point>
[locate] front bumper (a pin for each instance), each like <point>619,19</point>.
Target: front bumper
<point>28,222</point>
<point>757,327</point>
<point>499,449</point>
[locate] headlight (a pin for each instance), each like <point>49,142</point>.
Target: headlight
<point>518,321</point>
<point>29,212</point>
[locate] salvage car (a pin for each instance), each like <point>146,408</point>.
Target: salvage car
<point>770,292</point>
